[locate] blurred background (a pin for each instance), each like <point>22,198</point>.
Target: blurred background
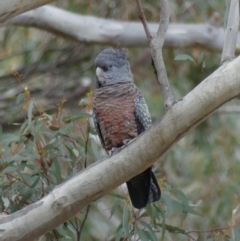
<point>203,167</point>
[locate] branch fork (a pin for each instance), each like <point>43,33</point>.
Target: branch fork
<point>156,46</point>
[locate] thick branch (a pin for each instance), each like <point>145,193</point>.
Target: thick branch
<point>97,180</point>
<point>231,32</point>
<point>12,8</point>
<point>91,29</point>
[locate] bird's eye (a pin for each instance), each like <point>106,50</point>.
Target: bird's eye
<point>110,66</point>
<point>104,68</point>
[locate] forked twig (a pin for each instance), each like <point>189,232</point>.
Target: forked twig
<point>156,46</point>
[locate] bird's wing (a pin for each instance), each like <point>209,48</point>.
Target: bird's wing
<point>97,127</point>
<point>143,188</point>
<point>142,113</point>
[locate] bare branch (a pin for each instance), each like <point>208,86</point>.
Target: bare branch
<point>11,8</point>
<point>164,21</point>
<point>69,198</point>
<point>156,46</point>
<point>144,21</point>
<point>231,32</point>
<point>83,222</point>
<point>90,29</point>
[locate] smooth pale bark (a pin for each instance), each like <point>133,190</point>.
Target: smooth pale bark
<point>97,180</point>
<point>231,32</point>
<point>90,29</point>
<point>12,8</point>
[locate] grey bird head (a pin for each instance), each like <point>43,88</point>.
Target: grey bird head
<point>112,67</point>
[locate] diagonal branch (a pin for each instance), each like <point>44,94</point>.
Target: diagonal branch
<point>231,32</point>
<point>97,180</point>
<point>156,46</point>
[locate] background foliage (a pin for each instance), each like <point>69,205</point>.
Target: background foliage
<point>47,135</point>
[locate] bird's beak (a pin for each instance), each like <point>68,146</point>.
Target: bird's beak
<point>99,72</point>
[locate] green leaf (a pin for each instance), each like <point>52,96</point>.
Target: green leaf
<point>237,232</point>
<point>126,216</point>
<point>143,235</point>
<point>76,152</point>
<point>116,195</point>
<point>70,150</point>
<point>8,138</point>
<point>22,165</point>
<point>167,186</point>
<point>184,208</point>
<point>168,201</point>
<point>119,233</point>
<point>52,141</point>
<point>35,182</point>
<point>115,206</point>
<point>93,131</point>
<point>75,117</point>
<point>81,142</point>
<point>162,225</point>
<point>19,98</point>
<point>180,194</point>
<point>6,202</point>
<point>200,58</point>
<point>30,108</point>
<point>49,107</point>
<point>153,211</point>
<point>151,231</point>
<point>183,57</point>
<point>9,169</point>
<point>94,148</point>
<point>57,173</point>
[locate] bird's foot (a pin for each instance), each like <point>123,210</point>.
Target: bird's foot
<point>111,152</point>
<point>126,141</point>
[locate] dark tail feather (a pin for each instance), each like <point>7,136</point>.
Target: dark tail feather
<point>143,189</point>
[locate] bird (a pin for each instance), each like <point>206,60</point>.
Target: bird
<point>120,114</point>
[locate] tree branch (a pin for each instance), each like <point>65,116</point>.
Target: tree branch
<point>144,21</point>
<point>90,29</point>
<point>97,180</point>
<point>156,47</point>
<point>12,8</point>
<point>231,32</point>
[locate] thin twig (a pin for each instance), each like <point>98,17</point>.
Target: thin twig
<point>83,222</point>
<point>213,230</point>
<point>73,225</point>
<point>86,147</point>
<point>231,32</point>
<point>191,237</point>
<point>156,46</point>
<point>20,180</point>
<point>142,17</point>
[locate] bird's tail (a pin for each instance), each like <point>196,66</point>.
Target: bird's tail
<point>143,189</point>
